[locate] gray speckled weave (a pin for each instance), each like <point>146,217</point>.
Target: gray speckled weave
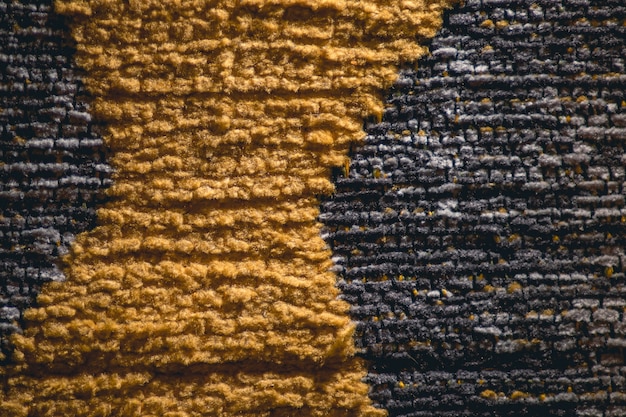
<point>479,235</point>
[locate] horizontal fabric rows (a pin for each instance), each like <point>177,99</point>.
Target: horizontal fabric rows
<point>206,286</point>
<point>53,169</point>
<point>479,231</point>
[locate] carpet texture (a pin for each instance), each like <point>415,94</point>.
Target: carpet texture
<point>479,233</point>
<point>184,235</point>
<point>52,166</point>
<point>205,288</point>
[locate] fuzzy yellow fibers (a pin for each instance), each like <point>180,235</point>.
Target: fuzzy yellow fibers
<point>205,289</point>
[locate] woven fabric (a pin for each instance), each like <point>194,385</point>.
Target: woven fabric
<point>52,168</point>
<point>479,232</point>
<point>205,287</point>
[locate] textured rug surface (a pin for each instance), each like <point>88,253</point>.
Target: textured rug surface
<point>205,287</point>
<point>479,233</point>
<point>53,167</point>
<point>163,250</point>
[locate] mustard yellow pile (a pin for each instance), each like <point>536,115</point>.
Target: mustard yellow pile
<point>205,289</point>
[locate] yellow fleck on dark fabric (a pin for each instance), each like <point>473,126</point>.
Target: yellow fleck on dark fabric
<point>206,287</point>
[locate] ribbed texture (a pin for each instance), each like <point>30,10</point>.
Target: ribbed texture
<point>479,234</point>
<point>205,289</point>
<point>52,164</point>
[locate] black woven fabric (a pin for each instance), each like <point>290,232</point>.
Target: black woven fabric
<point>52,169</point>
<point>479,234</point>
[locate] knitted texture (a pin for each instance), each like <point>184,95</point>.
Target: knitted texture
<point>479,233</point>
<point>205,289</point>
<point>51,158</point>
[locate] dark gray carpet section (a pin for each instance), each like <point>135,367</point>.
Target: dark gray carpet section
<point>52,162</point>
<point>480,232</point>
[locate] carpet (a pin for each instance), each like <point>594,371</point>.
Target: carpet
<point>479,232</point>
<point>205,286</point>
<point>209,209</point>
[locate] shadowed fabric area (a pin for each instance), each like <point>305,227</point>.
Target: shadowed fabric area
<point>205,287</point>
<point>479,230</point>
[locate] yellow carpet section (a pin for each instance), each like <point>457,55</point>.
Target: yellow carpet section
<point>205,289</point>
